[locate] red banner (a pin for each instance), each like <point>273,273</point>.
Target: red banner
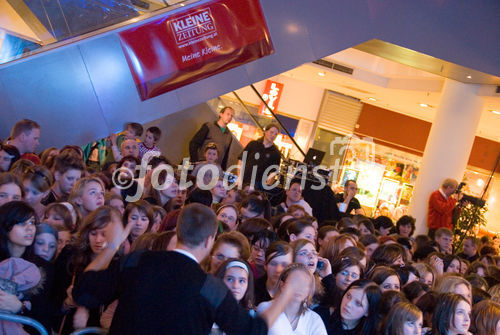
<point>271,95</point>
<point>198,42</point>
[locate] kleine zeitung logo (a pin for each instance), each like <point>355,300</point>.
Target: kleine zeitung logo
<point>193,26</point>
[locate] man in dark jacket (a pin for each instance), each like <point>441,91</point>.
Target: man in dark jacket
<point>167,292</point>
<point>213,132</point>
<point>260,155</point>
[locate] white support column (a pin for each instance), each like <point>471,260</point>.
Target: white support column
<point>449,145</point>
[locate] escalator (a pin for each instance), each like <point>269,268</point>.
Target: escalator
<point>249,125</point>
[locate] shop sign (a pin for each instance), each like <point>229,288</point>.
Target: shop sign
<point>271,95</point>
<point>193,43</point>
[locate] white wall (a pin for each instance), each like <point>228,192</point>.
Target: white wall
<point>298,99</point>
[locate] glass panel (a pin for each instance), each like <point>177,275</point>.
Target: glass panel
<point>32,24</point>
<point>334,145</point>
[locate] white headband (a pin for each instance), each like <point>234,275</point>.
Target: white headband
<point>237,264</point>
<point>71,210</point>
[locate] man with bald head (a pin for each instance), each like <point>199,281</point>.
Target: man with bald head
<point>442,202</point>
<point>129,147</point>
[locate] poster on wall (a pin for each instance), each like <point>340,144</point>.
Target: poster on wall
<point>271,95</point>
<point>349,174</point>
<point>193,43</point>
<point>389,190</point>
<point>406,193</point>
<point>369,178</point>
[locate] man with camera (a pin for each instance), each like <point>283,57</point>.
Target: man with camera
<point>442,202</point>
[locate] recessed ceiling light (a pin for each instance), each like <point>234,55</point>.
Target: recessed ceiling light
<point>469,77</point>
<point>424,105</point>
<point>321,74</point>
<point>495,112</point>
<point>372,99</point>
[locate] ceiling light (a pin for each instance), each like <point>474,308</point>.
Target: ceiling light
<point>321,74</point>
<point>372,99</point>
<point>424,105</point>
<point>480,183</point>
<point>469,77</point>
<point>495,112</point>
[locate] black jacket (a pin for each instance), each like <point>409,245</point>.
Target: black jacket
<point>164,292</point>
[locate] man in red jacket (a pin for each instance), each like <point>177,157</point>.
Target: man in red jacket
<point>441,205</point>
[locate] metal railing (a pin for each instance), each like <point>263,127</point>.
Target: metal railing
<point>277,119</point>
<point>247,114</point>
<point>24,320</point>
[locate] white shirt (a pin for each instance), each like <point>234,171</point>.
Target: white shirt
<point>443,194</point>
<point>309,323</point>
<point>186,253</point>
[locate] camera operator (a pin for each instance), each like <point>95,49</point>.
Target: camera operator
<point>442,202</point>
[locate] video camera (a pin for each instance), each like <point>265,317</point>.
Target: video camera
<point>466,197</point>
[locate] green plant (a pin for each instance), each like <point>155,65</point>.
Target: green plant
<point>469,218</point>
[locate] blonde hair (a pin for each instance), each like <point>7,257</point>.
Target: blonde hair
<point>78,188</point>
<point>300,267</point>
<point>448,283</point>
<point>334,246</point>
<point>423,269</point>
<point>448,182</point>
<point>494,291</point>
<point>485,317</point>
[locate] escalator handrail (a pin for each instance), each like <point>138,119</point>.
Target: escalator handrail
<point>253,117</point>
<point>25,321</point>
<point>278,120</point>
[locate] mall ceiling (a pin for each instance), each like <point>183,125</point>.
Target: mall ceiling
<point>402,80</point>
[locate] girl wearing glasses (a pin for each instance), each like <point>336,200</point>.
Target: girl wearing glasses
<point>228,245</point>
<point>345,270</point>
<point>229,215</point>
<point>305,253</point>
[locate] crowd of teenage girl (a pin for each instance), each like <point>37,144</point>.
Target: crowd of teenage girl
<point>361,275</point>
